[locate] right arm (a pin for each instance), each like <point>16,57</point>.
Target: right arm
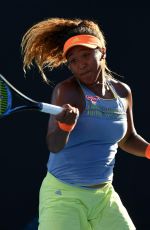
<point>56,137</point>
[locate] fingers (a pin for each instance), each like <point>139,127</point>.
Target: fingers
<point>69,115</point>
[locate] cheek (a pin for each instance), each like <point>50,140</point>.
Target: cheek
<point>96,65</point>
<point>72,70</point>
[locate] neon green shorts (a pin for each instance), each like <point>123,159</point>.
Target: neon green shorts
<point>65,207</point>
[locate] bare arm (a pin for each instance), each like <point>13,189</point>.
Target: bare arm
<point>132,142</point>
<point>56,137</point>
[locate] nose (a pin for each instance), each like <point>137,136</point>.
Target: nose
<point>81,64</point>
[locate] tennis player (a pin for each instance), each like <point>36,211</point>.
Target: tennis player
<point>77,192</point>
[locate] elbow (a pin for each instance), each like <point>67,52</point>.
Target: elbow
<point>53,149</point>
<point>53,146</point>
<point>127,139</point>
<point>56,141</point>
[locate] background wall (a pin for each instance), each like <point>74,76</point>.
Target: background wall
<point>23,152</point>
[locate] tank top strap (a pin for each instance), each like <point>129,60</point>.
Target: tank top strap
<point>112,89</point>
<point>84,89</point>
<point>116,94</point>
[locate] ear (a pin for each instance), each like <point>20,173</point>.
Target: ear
<point>103,51</point>
<point>103,56</point>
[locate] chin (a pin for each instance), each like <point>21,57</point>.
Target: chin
<point>88,81</point>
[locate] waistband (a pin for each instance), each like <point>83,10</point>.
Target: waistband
<point>59,183</point>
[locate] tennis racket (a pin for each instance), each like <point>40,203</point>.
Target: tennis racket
<point>7,91</point>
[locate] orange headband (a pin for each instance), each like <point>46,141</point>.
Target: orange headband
<point>81,40</point>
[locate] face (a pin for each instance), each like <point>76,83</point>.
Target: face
<point>85,64</point>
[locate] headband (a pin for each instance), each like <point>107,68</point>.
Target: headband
<point>89,41</point>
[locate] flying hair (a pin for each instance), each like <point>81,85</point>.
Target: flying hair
<point>43,43</point>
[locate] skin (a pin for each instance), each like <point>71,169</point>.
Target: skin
<point>85,64</point>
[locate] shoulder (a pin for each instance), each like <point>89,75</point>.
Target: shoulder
<point>66,88</point>
<point>66,92</point>
<point>68,84</point>
<point>121,88</point>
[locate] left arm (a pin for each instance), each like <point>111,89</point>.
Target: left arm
<point>132,142</point>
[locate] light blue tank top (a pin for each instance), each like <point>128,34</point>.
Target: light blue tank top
<point>89,156</point>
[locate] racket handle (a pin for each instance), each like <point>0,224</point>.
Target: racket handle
<point>51,109</point>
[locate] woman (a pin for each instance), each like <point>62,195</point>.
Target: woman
<point>77,192</point>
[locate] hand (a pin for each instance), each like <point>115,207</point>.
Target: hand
<point>69,115</point>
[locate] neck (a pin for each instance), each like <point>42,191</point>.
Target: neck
<point>100,86</point>
<point>103,83</point>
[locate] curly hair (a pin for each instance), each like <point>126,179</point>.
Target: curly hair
<point>43,42</point>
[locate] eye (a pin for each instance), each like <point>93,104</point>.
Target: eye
<point>86,55</point>
<point>72,61</point>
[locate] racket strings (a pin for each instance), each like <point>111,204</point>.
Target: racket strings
<point>3,98</point>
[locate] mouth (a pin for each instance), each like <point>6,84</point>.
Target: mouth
<point>85,73</point>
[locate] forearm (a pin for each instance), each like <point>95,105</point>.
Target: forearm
<point>57,139</point>
<point>135,145</point>
<point>60,127</point>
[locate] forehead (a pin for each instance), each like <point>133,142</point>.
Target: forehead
<point>77,49</point>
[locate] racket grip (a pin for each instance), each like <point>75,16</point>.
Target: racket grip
<point>51,109</point>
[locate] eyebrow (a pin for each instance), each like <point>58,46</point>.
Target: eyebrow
<point>68,56</point>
